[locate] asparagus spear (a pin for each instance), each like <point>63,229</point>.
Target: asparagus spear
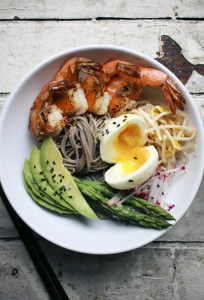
<point>125,212</point>
<point>147,207</point>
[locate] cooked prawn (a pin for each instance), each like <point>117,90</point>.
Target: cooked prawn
<point>60,98</point>
<point>99,90</point>
<point>123,83</point>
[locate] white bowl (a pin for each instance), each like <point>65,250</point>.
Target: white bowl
<point>71,232</point>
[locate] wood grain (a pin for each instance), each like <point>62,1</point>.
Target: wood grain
<point>84,9</point>
<point>26,44</point>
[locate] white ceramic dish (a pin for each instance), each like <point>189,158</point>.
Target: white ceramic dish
<point>71,232</point>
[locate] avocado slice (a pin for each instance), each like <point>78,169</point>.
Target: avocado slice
<point>61,179</point>
<point>34,187</point>
<point>42,202</point>
<point>42,182</point>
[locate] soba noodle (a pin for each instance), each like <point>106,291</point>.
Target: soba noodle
<point>79,144</point>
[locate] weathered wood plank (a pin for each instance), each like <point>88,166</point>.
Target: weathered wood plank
<point>18,276</point>
<point>134,275</point>
<point>152,272</point>
<point>83,9</point>
<point>26,44</point>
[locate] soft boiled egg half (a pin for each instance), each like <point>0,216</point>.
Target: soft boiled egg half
<point>122,141</point>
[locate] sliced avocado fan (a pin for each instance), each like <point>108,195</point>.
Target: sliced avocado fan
<point>61,179</point>
<point>36,194</point>
<point>41,181</point>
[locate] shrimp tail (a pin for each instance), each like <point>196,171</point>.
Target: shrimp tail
<point>61,86</point>
<point>89,66</point>
<point>173,96</point>
<point>129,70</point>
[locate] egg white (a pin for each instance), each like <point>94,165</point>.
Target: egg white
<point>116,178</point>
<point>111,131</point>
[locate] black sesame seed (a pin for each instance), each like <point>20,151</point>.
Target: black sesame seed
<point>34,166</point>
<point>63,176</point>
<point>45,189</point>
<point>114,122</point>
<point>53,162</point>
<point>118,125</point>
<point>135,157</point>
<point>47,161</point>
<point>130,180</point>
<point>70,196</point>
<point>158,185</point>
<point>51,170</point>
<point>125,116</point>
<point>60,180</point>
<point>41,173</point>
<point>158,173</point>
<point>124,120</point>
<point>53,176</point>
<point>60,175</point>
<point>162,193</point>
<point>43,179</point>
<point>152,197</point>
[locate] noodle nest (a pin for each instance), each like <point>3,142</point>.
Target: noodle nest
<point>79,144</point>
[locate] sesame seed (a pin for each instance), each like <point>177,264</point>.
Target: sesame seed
<point>53,176</point>
<point>34,166</point>
<point>70,196</point>
<point>43,179</point>
<point>60,180</point>
<point>162,193</point>
<point>118,125</point>
<point>135,157</point>
<point>158,185</point>
<point>152,197</point>
<point>130,180</point>
<point>114,122</point>
<point>53,162</point>
<point>41,173</point>
<point>47,161</point>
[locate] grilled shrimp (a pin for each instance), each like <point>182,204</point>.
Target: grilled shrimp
<point>100,90</point>
<point>123,83</point>
<point>60,98</point>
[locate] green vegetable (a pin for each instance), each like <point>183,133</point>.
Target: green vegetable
<point>99,194</point>
<point>61,179</point>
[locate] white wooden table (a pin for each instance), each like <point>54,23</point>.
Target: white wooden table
<point>30,31</point>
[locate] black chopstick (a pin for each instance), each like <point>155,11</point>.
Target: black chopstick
<point>45,270</point>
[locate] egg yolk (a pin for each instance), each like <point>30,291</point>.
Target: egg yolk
<point>130,151</point>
